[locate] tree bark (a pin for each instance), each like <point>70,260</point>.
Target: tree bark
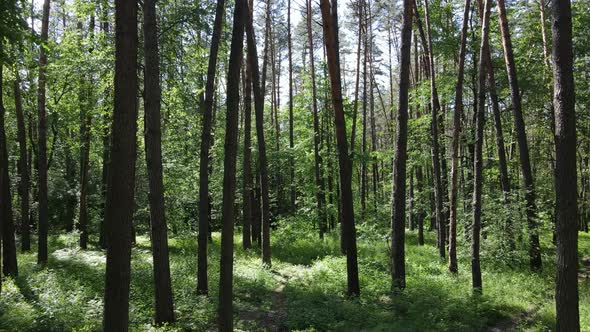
<point>523,148</point>
<point>153,156</point>
<point>206,137</point>
<point>42,140</point>
<point>478,158</point>
<point>566,291</point>
<point>291,137</point>
<point>10,267</point>
<point>247,166</point>
<point>456,138</point>
<point>23,168</point>
<point>258,90</point>
<point>330,21</point>
<point>229,170</point>
<point>398,214</point>
<point>319,180</point>
<point>121,181</point>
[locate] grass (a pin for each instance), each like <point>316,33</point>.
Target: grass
<point>304,289</point>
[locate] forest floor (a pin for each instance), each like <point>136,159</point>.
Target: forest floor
<point>303,290</point>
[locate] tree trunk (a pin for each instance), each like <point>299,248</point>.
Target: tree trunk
<point>330,21</point>
<point>566,292</point>
<point>523,148</point>
<point>398,214</point>
<point>291,137</point>
<point>456,138</point>
<point>258,89</point>
<point>247,166</point>
<point>153,156</point>
<point>478,158</point>
<point>438,189</point>
<point>319,179</point>
<point>121,181</point>
<point>358,76</point>
<point>206,137</point>
<point>229,170</point>
<point>23,169</point>
<point>10,267</point>
<point>42,141</point>
<point>85,127</point>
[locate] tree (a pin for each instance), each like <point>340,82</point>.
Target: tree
<point>523,148</point>
<point>258,89</point>
<point>202,283</point>
<point>478,155</point>
<point>436,164</point>
<point>319,179</point>
<point>10,267</point>
<point>42,140</point>
<point>23,168</point>
<point>398,204</point>
<point>153,156</point>
<point>566,291</point>
<point>330,24</point>
<point>293,195</point>
<point>229,168</point>
<point>456,137</point>
<point>121,175</point>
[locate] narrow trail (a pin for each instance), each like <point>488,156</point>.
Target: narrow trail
<point>274,319</point>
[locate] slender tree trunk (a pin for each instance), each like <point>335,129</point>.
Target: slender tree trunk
<point>106,136</point>
<point>229,168</point>
<point>10,267</point>
<point>438,188</point>
<point>42,141</point>
<point>206,137</point>
<point>291,137</point>
<point>398,214</point>
<point>23,169</point>
<point>319,180</point>
<point>258,90</point>
<point>478,158</point>
<point>247,166</point>
<point>330,27</point>
<point>523,148</point>
<point>153,156</point>
<point>364,118</point>
<point>566,291</point>
<point>421,213</point>
<point>85,127</point>
<point>121,181</point>
<point>456,138</point>
<point>358,76</point>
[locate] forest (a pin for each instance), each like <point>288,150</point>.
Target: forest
<point>295,165</point>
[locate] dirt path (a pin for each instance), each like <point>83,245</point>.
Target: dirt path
<point>275,319</point>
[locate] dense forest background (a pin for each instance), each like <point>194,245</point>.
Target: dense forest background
<point>294,165</point>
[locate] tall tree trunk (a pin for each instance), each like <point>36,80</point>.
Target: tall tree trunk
<point>42,141</point>
<point>358,76</point>
<point>206,137</point>
<point>330,24</point>
<point>438,186</point>
<point>566,292</point>
<point>153,156</point>
<point>10,267</point>
<point>229,168</point>
<point>478,158</point>
<point>258,90</point>
<point>23,168</point>
<point>291,137</point>
<point>364,118</point>
<point>121,181</point>
<point>247,166</point>
<point>85,126</point>
<point>319,179</point>
<point>523,148</point>
<point>456,138</point>
<point>398,214</point>
<point>106,136</point>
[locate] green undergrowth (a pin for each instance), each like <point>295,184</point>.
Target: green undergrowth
<point>305,288</point>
